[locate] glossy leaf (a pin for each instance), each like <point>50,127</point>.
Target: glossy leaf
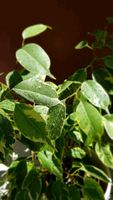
<point>33,58</point>
<point>95,172</point>
<point>108,124</point>
<point>37,92</point>
<point>90,121</point>
<point>50,162</point>
<point>30,123</point>
<point>108,61</point>
<point>55,121</point>
<point>105,155</point>
<point>96,94</point>
<point>34,30</point>
<point>92,190</point>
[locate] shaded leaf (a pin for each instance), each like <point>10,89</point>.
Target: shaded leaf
<point>59,191</point>
<point>6,132</point>
<point>108,61</point>
<point>95,172</point>
<point>23,194</point>
<point>74,193</point>
<point>80,75</point>
<point>13,78</point>
<point>92,190</point>
<point>67,89</point>
<point>33,183</point>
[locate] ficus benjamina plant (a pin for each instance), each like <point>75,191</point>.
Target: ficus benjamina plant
<point>66,128</point>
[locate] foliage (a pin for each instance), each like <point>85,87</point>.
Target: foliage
<point>67,128</point>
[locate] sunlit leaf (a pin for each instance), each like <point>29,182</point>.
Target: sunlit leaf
<point>55,121</point>
<point>37,92</point>
<point>33,58</point>
<point>50,162</point>
<point>108,124</point>
<point>34,30</point>
<point>96,94</point>
<point>105,155</point>
<point>89,120</point>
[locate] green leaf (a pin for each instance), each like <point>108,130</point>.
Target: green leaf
<point>67,89</point>
<point>50,162</point>
<point>59,191</point>
<point>92,190</point>
<point>42,110</point>
<point>90,121</point>
<point>95,172</point>
<point>17,172</point>
<point>34,30</point>
<point>96,94</point>
<point>81,45</point>
<point>100,38</point>
<point>108,124</point>
<point>33,58</point>
<point>110,45</point>
<point>104,78</point>
<point>77,152</point>
<point>109,20</point>
<point>7,105</point>
<point>108,61</point>
<point>13,78</point>
<point>37,92</point>
<point>33,183</point>
<point>30,123</point>
<point>105,155</point>
<point>23,194</point>
<point>80,75</point>
<point>55,121</point>
<point>74,193</point>
<point>6,132</point>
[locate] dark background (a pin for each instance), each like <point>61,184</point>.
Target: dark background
<point>70,20</point>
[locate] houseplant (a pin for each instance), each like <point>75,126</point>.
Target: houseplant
<point>68,128</point>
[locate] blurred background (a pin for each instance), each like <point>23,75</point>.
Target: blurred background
<point>70,20</point>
